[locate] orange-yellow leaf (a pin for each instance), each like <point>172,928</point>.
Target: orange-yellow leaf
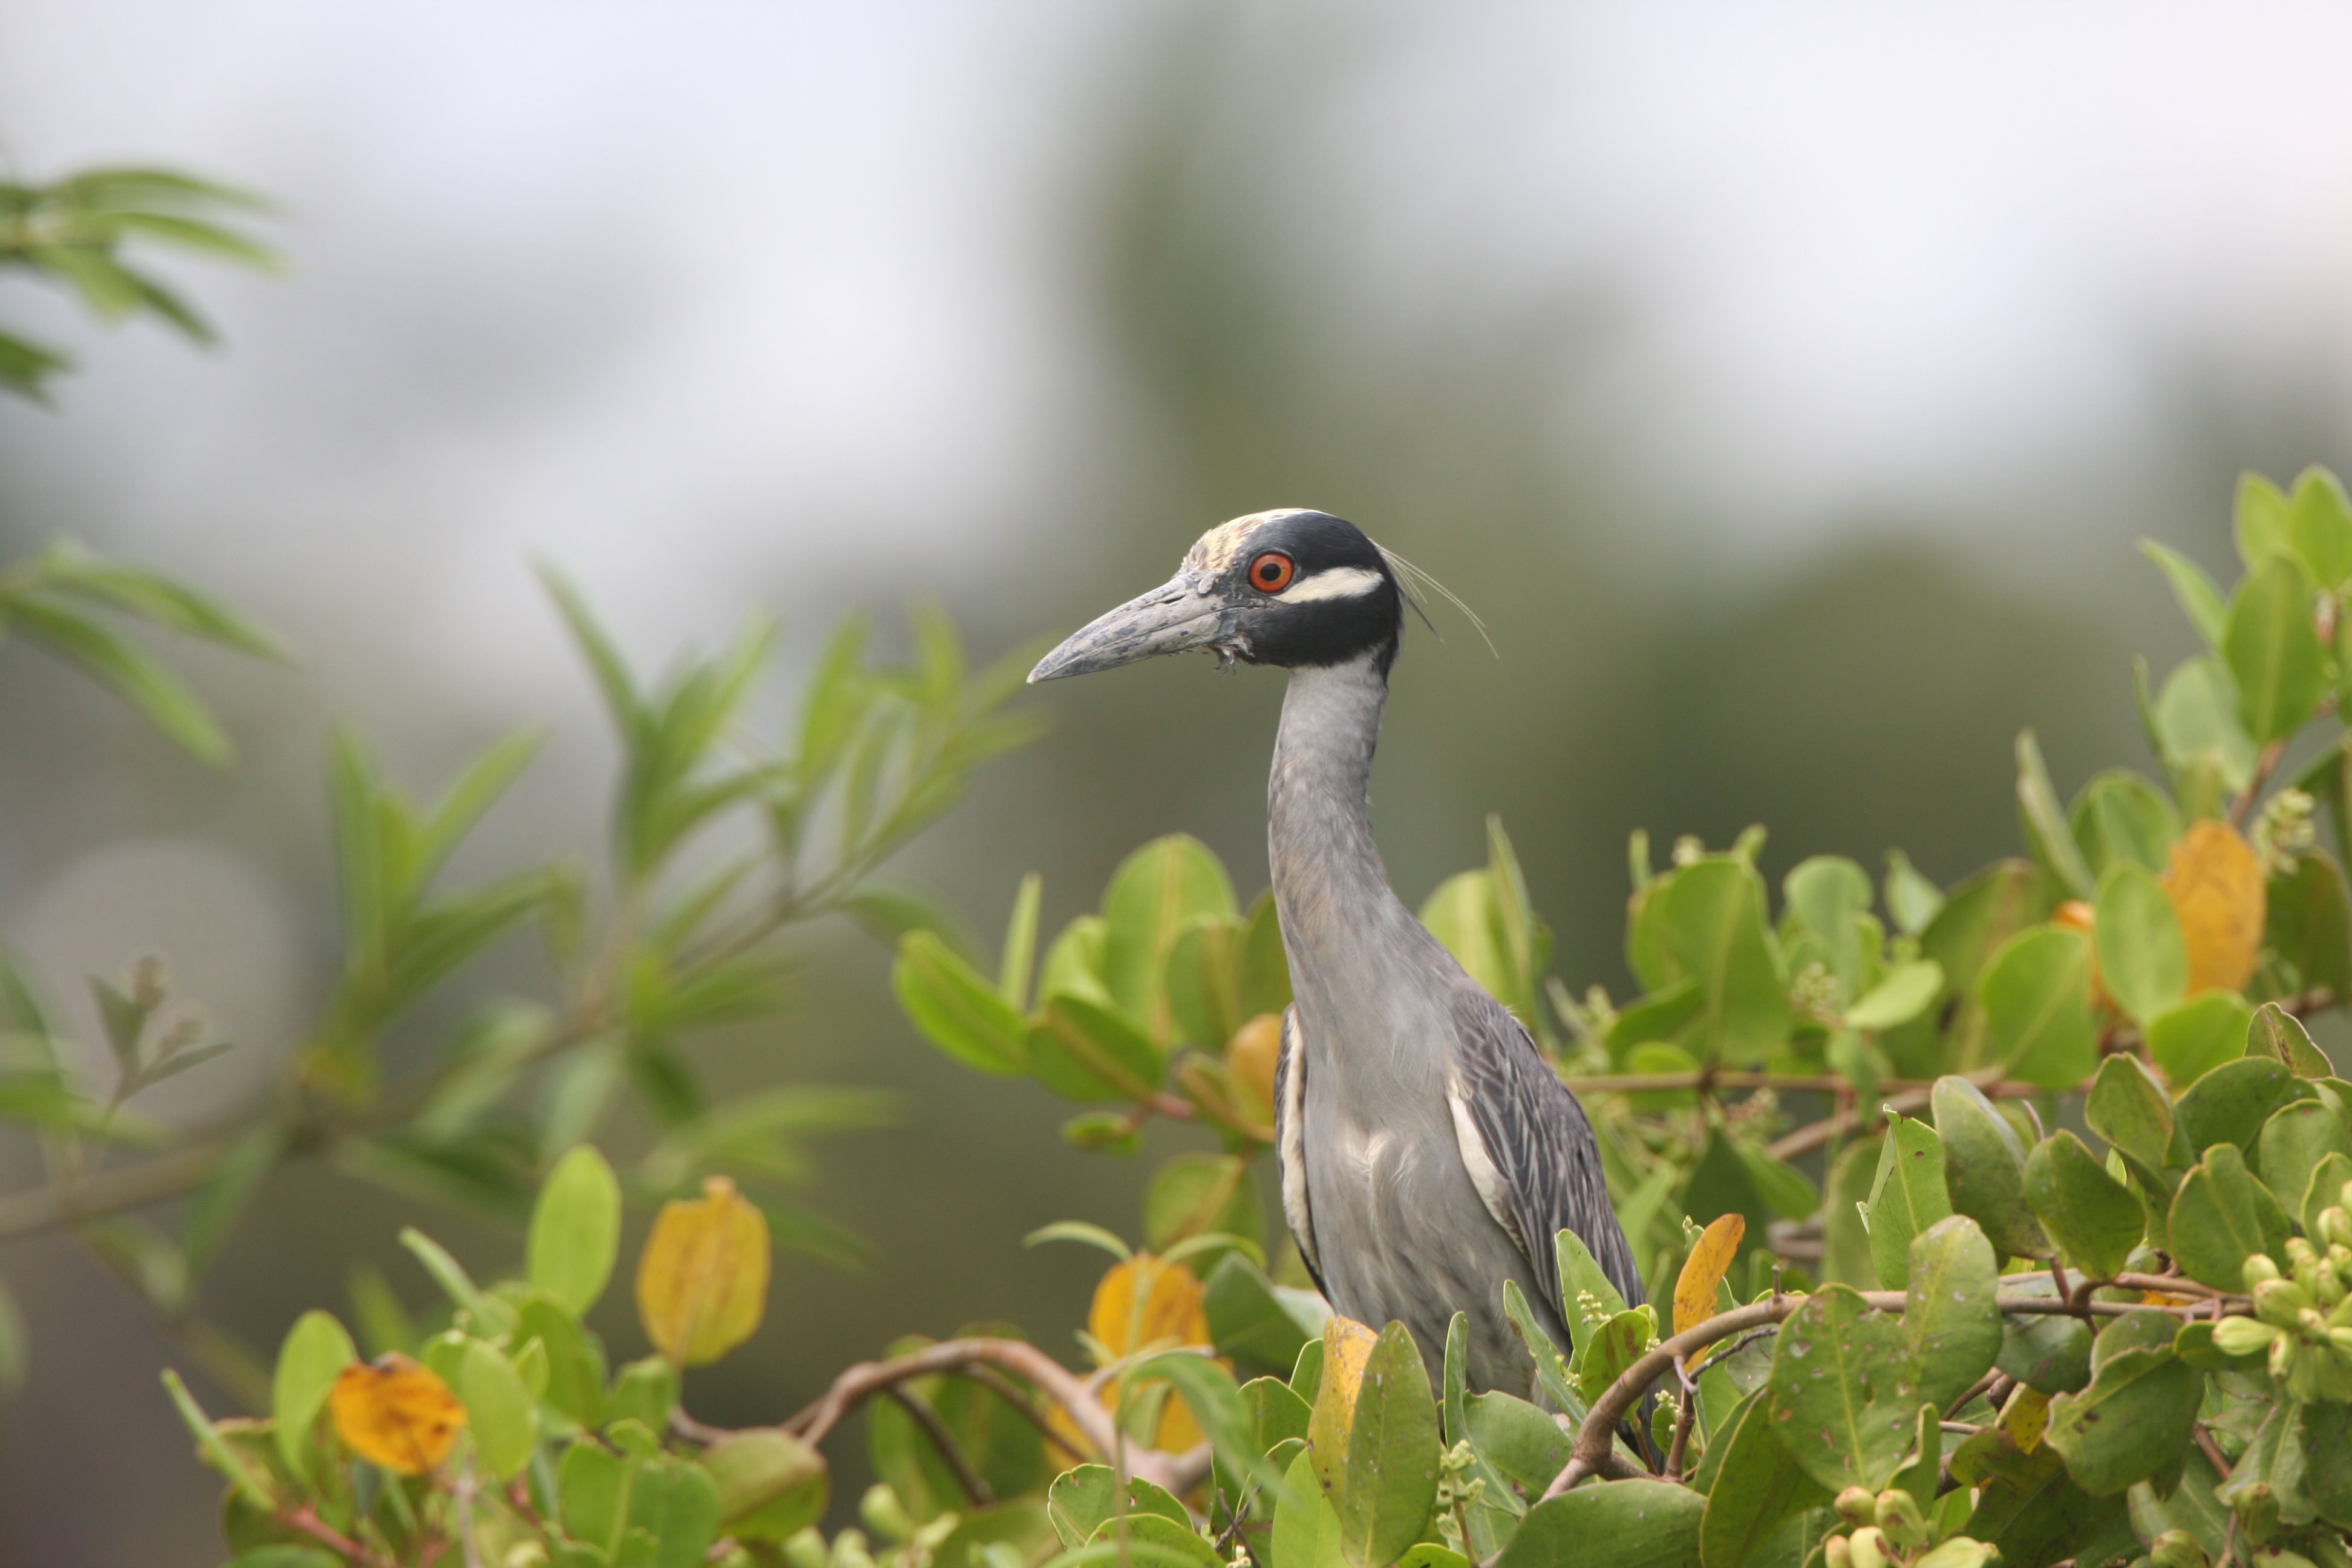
<point>1347,1346</point>
<point>2216,883</point>
<point>2025,1417</point>
<point>702,1283</point>
<point>1709,1260</point>
<point>1170,1312</point>
<point>1250,1058</point>
<point>395,1413</point>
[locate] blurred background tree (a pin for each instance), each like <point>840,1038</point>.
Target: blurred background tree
<point>1783,397</point>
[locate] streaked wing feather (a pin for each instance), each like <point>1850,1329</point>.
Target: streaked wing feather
<point>1290,1143</point>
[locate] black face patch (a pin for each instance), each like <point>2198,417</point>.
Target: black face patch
<point>1300,627</point>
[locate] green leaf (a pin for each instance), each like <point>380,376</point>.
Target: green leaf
<point>1247,1321</point>
<point>2197,724</point>
<point>2143,957</point>
<point>2130,1110</point>
<point>2030,1509</point>
<point>2274,1460</point>
<point>2273,651</point>
<point>1265,967</point>
<point>1637,1523</point>
<point>2132,1421</point>
<point>2277,1035</point>
<point>770,1484</point>
<point>1552,1371</point>
<point>1906,1197</point>
<point>136,675</point>
<point>2260,520</point>
<point>1949,1325</point>
<point>1209,1393</point>
<point>1200,1193</point>
<point>1758,1486</point>
<point>2220,1218</point>
<point>575,1362</point>
<point>2308,924</point>
<point>1525,1443</point>
<point>1152,897</point>
<point>1711,915</point>
<point>1905,992</point>
<point>1084,1051</point>
<point>2323,1191</point>
<point>499,1411</point>
<point>1147,1538</point>
<point>2230,1104</point>
<point>1845,1255</point>
<point>958,1010</point>
<point>1580,1274</point>
<point>315,1352</point>
<point>2036,996</point>
<point>2199,600</point>
<point>2319,526</point>
<point>1984,1168</point>
<point>2093,1216</point>
<point>1912,900</point>
<point>1305,1525</point>
<point>216,1447</point>
<point>1827,895</point>
<point>2327,1460</point>
<point>2201,1034</point>
<point>1616,1345</point>
<point>154,598</point>
<point>1843,1390</point>
<point>2046,1351</point>
<point>2293,1144</point>
<point>1391,1471</point>
<point>2044,821</point>
<point>575,1229</point>
<point>1203,981</point>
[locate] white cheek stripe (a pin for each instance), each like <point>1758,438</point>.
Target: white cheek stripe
<point>1339,582</point>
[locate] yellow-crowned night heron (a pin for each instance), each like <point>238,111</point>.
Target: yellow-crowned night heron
<point>1427,1153</point>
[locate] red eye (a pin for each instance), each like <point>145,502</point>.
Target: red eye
<point>1272,572</point>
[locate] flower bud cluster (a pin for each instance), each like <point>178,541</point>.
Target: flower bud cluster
<point>2303,1314</point>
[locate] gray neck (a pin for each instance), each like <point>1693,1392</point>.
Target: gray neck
<point>1329,884</point>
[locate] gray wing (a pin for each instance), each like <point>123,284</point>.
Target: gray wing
<point>1530,1149</point>
<point>1290,1142</point>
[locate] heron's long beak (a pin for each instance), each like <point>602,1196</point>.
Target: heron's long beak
<point>1185,612</point>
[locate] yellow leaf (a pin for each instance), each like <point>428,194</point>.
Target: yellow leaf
<point>2216,884</point>
<point>2025,1416</point>
<point>1347,1346</point>
<point>1170,1313</point>
<point>702,1283</point>
<point>1250,1058</point>
<point>1705,1270</point>
<point>397,1413</point>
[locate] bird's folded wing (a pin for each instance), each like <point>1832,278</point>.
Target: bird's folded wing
<point>1290,1142</point>
<point>1530,1150</point>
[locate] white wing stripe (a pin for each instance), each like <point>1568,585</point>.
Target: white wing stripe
<point>1493,1191</point>
<point>1290,1151</point>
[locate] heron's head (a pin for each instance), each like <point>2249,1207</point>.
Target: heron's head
<point>1289,588</point>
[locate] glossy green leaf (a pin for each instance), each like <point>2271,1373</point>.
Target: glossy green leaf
<point>500,1413</point>
<point>575,1362</point>
<point>2279,1035</point>
<point>2143,957</point>
<point>1581,1276</point>
<point>1757,1486</point>
<point>2326,1438</point>
<point>2220,1218</point>
<point>2130,1110</point>
<point>2047,833</point>
<point>1153,896</point>
<point>2036,996</point>
<point>1082,1499</point>
<point>2230,1104</point>
<point>575,1229</point>
<point>1248,1321</point>
<point>2294,1143</point>
<point>1084,1051</point>
<point>2323,1191</point>
<point>2120,819</point>
<point>1843,1390</point>
<point>1522,1442</point>
<point>2319,526</point>
<point>2308,924</point>
<point>2045,1350</point>
<point>2093,1216</point>
<point>2274,1460</point>
<point>1198,1193</point>
<point>2272,649</point>
<point>2197,724</point>
<point>1984,1168</point>
<point>1391,1471</point>
<point>2132,1421</point>
<point>315,1352</point>
<point>2030,1509</point>
<point>1305,1526</point>
<point>1827,895</point>
<point>1711,915</point>
<point>1640,1523</point>
<point>2199,600</point>
<point>1203,981</point>
<point>1905,992</point>
<point>1907,1195</point>
<point>2191,1040</point>
<point>956,1009</point>
<point>1949,1325</point>
<point>2259,520</point>
<point>770,1484</point>
<point>1912,900</point>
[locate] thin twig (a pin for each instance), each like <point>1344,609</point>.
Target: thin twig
<point>2265,765</point>
<point>306,1520</point>
<point>974,1485</point>
<point>1682,1418</point>
<point>1993,1080</point>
